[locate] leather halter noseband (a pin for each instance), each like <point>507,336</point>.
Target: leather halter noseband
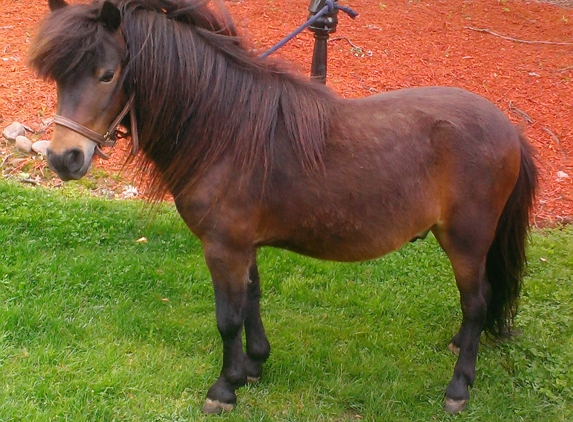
<point>110,137</point>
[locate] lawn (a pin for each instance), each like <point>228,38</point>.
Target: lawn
<point>96,326</point>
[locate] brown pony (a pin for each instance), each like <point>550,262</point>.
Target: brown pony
<point>256,156</point>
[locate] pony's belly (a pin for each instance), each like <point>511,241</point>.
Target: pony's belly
<point>334,247</point>
<point>356,230</point>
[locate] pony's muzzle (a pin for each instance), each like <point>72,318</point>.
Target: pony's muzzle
<point>69,153</point>
<point>69,165</point>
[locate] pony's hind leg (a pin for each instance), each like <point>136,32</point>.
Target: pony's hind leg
<point>456,340</point>
<point>258,348</point>
<point>466,247</point>
<point>469,277</point>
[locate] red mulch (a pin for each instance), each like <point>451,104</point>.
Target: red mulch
<point>392,44</point>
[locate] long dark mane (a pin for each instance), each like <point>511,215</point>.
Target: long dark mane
<point>202,94</point>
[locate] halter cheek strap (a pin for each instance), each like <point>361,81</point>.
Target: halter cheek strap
<point>110,137</point>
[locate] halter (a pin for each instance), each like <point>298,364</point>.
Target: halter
<point>110,137</point>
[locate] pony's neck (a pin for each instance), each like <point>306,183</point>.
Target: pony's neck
<point>201,96</point>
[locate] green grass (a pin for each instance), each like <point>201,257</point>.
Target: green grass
<point>97,327</point>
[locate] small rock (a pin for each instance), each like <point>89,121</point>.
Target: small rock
<point>40,147</point>
<point>23,144</point>
<point>130,191</point>
<point>13,130</point>
<point>562,175</point>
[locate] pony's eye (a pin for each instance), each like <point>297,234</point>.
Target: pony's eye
<point>107,76</point>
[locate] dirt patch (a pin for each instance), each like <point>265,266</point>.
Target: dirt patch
<point>392,44</point>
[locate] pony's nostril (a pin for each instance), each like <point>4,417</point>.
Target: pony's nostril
<point>74,160</point>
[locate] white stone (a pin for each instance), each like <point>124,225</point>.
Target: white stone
<point>130,191</point>
<point>13,130</point>
<point>23,144</point>
<point>562,175</point>
<point>40,147</point>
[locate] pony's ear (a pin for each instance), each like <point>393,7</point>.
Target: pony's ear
<point>109,16</point>
<point>56,4</point>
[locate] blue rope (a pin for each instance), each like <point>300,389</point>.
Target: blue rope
<point>329,8</point>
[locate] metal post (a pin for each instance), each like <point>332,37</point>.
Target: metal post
<point>322,28</point>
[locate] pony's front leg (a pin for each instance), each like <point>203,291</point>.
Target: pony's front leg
<point>229,269</point>
<point>258,348</point>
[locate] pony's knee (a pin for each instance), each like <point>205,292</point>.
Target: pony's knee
<point>229,323</point>
<point>230,316</point>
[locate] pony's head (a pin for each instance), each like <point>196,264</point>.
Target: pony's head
<point>198,92</point>
<point>82,49</point>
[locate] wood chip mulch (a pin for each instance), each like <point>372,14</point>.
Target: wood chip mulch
<point>518,54</point>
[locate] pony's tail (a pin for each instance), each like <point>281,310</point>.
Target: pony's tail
<point>506,257</point>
